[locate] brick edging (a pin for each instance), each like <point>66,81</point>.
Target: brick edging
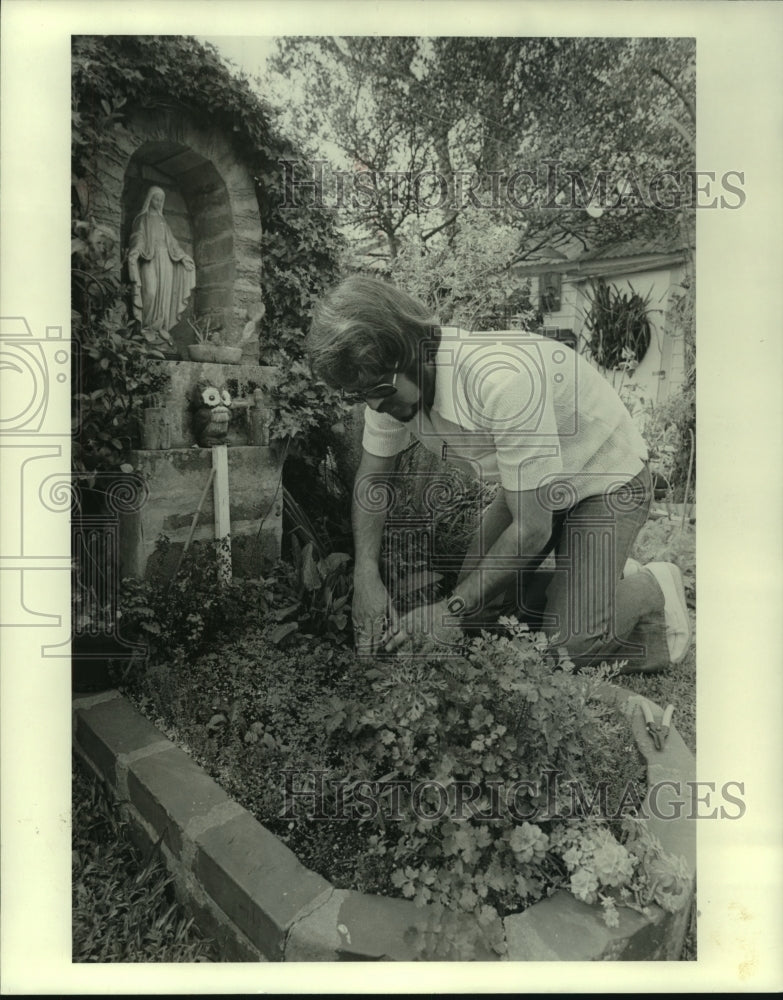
<point>247,890</point>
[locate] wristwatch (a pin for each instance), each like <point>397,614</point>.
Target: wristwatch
<point>456,605</point>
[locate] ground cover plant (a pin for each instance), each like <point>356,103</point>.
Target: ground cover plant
<point>268,704</point>
<point>124,908</point>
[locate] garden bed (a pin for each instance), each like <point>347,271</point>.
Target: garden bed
<point>254,712</point>
<point>258,700</point>
<point>250,894</point>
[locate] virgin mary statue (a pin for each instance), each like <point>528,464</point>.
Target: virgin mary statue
<point>162,274</point>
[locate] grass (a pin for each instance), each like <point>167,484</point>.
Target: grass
<point>124,909</point>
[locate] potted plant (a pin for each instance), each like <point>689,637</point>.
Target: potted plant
<point>208,347</point>
<point>618,326</point>
<point>211,343</point>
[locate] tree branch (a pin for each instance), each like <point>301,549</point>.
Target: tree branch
<point>443,225</point>
<point>689,107</point>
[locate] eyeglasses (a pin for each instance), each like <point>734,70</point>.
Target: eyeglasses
<point>381,391</point>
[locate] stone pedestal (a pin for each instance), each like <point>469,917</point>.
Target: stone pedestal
<point>176,480</point>
<point>242,380</point>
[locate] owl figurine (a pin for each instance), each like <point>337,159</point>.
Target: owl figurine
<point>210,408</point>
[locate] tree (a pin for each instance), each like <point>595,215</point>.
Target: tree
<point>452,144</point>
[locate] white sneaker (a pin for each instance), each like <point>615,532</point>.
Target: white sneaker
<point>631,567</point>
<point>678,624</point>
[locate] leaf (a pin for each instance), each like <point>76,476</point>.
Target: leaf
<point>340,620</point>
<point>282,613</point>
<point>217,721</point>
<point>277,635</point>
<point>311,578</point>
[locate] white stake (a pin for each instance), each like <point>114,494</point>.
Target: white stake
<point>222,512</point>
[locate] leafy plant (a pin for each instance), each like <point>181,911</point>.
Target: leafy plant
<point>250,708</point>
<point>116,375</point>
<point>324,588</point>
<point>683,407</point>
<point>501,716</point>
<point>124,907</point>
<point>203,331</point>
<point>618,325</point>
<point>182,615</point>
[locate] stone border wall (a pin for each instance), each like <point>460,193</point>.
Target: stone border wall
<point>249,892</point>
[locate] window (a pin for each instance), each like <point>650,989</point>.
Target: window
<point>549,292</point>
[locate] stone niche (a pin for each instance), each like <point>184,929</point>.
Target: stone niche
<point>211,208</point>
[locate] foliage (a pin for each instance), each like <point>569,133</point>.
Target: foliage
<point>324,589</point>
<point>455,117</point>
<point>618,325</point>
<point>665,427</point>
<point>304,407</point>
<point>179,616</point>
<point>251,708</point>
<point>115,377</point>
<point>669,428</point>
<point>501,716</point>
<point>465,280</point>
<point>124,908</point>
<point>683,411</point>
<point>203,330</point>
<point>247,708</point>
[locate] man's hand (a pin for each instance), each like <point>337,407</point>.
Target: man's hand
<point>434,620</point>
<point>372,613</point>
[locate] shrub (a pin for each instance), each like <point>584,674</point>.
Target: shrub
<point>504,716</point>
<point>182,614</point>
